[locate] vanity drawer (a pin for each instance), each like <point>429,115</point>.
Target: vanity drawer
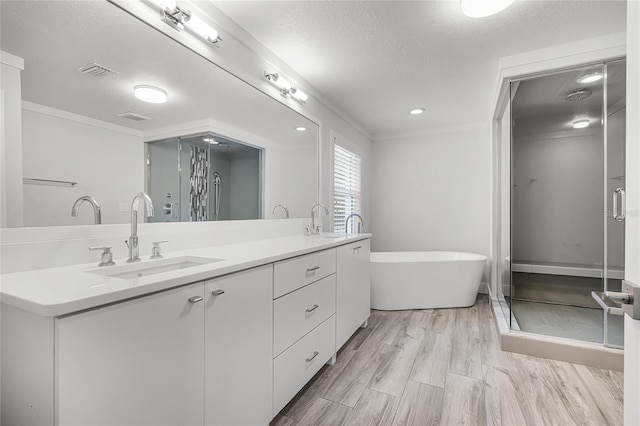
<point>299,312</point>
<point>298,364</point>
<point>291,274</point>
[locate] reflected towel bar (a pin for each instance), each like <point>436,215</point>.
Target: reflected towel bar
<point>30,181</point>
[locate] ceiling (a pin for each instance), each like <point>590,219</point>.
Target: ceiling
<point>376,60</point>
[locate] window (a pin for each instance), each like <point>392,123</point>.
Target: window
<point>346,188</point>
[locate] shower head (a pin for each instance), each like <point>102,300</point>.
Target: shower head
<point>578,95</point>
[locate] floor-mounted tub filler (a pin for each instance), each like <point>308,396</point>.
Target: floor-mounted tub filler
<point>425,279</point>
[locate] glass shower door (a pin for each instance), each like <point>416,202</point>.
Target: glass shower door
<point>614,196</point>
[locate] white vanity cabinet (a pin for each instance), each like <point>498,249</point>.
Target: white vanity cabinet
<point>238,348</point>
<point>353,289</point>
<point>136,362</point>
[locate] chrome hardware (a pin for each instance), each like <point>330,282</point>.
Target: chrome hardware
<point>169,208</point>
<point>286,210</point>
<point>307,230</point>
<point>315,354</point>
<point>195,299</point>
<point>97,216</point>
<point>357,248</point>
<point>316,230</point>
<point>313,308</point>
<point>346,223</point>
<point>217,292</point>
<point>132,243</point>
<point>627,298</point>
<point>155,250</point>
<point>619,214</point>
<point>107,257</point>
<point>315,268</point>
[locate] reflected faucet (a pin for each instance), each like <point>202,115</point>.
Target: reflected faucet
<point>132,243</point>
<point>286,210</point>
<point>97,216</point>
<point>314,230</point>
<point>346,222</point>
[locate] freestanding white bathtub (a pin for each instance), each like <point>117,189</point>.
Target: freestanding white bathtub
<point>425,279</point>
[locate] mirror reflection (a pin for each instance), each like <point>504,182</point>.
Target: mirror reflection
<point>84,132</point>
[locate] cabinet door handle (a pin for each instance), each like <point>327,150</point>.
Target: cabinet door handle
<point>315,268</point>
<point>195,299</point>
<point>217,292</point>
<point>313,309</point>
<point>315,354</point>
<point>357,248</point>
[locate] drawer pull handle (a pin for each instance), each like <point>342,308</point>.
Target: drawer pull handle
<point>217,292</point>
<point>195,299</point>
<point>315,354</point>
<point>313,309</point>
<point>357,248</point>
<point>315,268</point>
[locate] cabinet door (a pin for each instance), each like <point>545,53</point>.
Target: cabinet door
<point>134,363</point>
<point>353,289</point>
<point>238,348</point>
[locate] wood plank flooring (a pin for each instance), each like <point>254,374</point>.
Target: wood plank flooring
<point>445,367</point>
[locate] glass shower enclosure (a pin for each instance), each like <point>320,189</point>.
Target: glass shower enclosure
<point>564,199</point>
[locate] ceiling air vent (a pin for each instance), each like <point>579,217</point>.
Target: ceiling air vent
<point>133,116</point>
<point>96,70</point>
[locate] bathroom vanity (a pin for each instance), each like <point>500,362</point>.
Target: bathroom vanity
<point>219,343</point>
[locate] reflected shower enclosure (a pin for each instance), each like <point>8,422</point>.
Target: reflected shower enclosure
<point>563,196</point>
<point>204,177</point>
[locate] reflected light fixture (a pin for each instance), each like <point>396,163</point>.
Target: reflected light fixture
<point>210,140</point>
<point>181,18</point>
<point>590,78</point>
<point>286,88</point>
<point>581,124</point>
<point>301,128</point>
<point>482,8</point>
<point>417,111</point>
<point>150,94</point>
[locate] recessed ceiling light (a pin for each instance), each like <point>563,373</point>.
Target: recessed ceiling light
<point>417,111</point>
<point>301,128</point>
<point>210,140</point>
<point>590,78</point>
<point>482,8</point>
<point>580,124</point>
<point>150,94</point>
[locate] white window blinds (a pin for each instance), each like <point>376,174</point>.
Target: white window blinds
<point>346,188</point>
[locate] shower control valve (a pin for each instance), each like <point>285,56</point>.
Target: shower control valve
<point>155,250</point>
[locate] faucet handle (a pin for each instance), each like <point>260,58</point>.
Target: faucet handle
<point>107,257</point>
<point>155,250</point>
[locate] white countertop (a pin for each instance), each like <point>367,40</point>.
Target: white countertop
<point>68,289</point>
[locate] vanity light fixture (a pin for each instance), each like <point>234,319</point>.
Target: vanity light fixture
<point>286,88</point>
<point>482,8</point>
<point>150,94</point>
<point>581,124</point>
<point>417,111</point>
<point>301,128</point>
<point>590,78</point>
<point>180,18</point>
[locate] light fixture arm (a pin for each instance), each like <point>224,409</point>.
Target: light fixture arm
<point>177,17</point>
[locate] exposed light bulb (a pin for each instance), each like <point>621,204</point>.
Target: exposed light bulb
<point>150,94</point>
<point>580,124</point>
<point>203,29</point>
<point>482,8</point>
<point>590,78</point>
<point>299,94</point>
<point>278,80</point>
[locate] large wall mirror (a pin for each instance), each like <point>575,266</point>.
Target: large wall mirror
<point>218,148</point>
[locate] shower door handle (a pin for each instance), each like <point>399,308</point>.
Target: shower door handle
<point>619,211</point>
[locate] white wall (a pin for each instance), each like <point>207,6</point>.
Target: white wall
<point>632,223</point>
<point>244,179</point>
<point>107,164</point>
<point>557,198</point>
<point>433,193</point>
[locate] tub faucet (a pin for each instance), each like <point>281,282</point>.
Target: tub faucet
<point>314,230</point>
<point>97,216</point>
<point>346,223</point>
<point>132,243</point>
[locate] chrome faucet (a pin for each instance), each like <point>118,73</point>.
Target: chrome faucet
<point>346,222</point>
<point>286,210</point>
<point>132,243</point>
<point>314,230</point>
<point>97,216</point>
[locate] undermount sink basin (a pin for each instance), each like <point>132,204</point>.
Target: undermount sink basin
<point>152,267</point>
